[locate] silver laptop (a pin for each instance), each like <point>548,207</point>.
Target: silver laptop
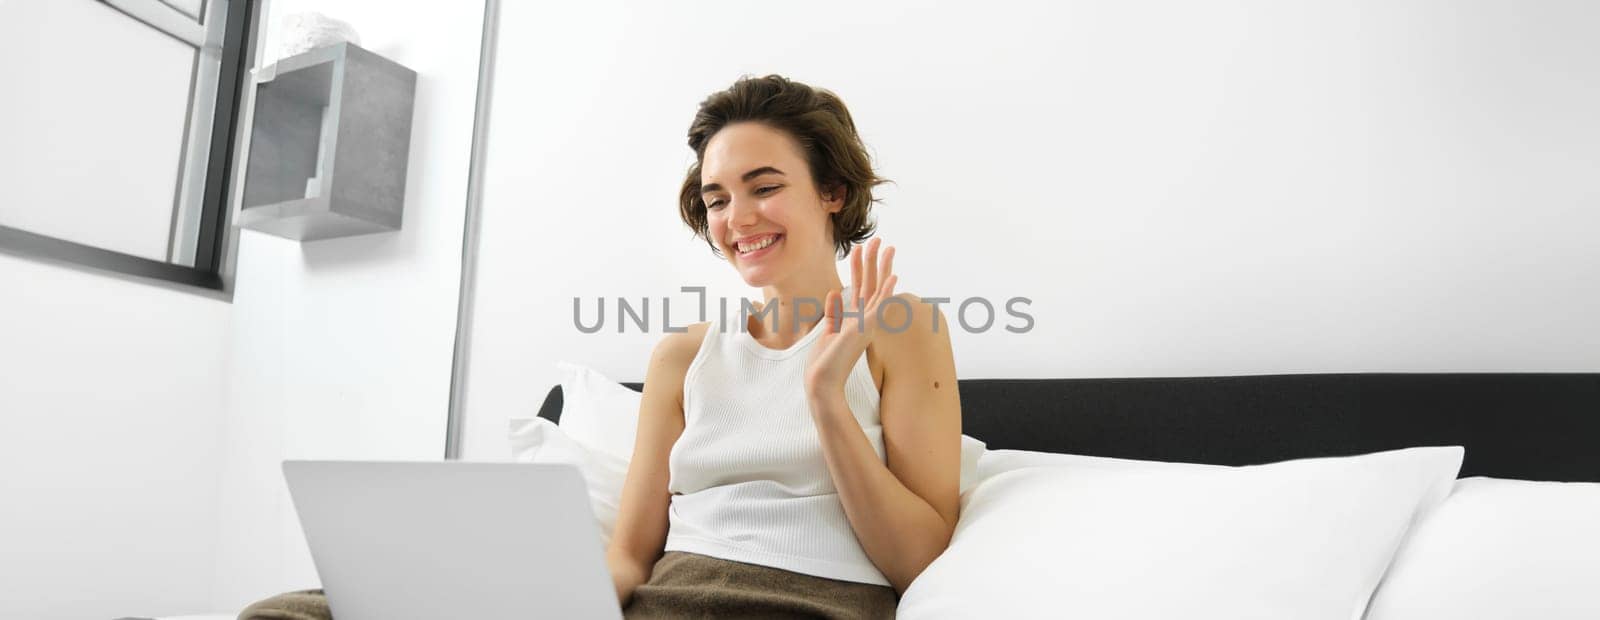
<point>399,540</point>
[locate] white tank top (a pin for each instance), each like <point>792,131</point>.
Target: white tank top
<point>748,479</point>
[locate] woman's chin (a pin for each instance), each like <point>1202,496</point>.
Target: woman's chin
<point>757,276</point>
<point>755,281</point>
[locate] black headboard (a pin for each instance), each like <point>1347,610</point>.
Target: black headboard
<point>1535,426</point>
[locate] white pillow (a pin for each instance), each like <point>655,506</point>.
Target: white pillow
<point>972,452</point>
<point>1496,549</point>
<point>598,412</point>
<point>995,462</point>
<point>1306,539</point>
<point>537,440</point>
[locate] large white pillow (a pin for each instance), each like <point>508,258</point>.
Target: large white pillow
<point>1500,549</point>
<point>1306,539</point>
<point>598,412</point>
<point>537,440</point>
<point>995,462</point>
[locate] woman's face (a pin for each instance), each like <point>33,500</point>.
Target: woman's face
<point>762,209</point>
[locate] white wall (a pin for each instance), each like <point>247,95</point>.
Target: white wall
<point>342,348</point>
<point>1181,188</point>
<point>111,396</point>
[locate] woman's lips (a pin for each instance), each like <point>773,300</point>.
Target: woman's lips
<point>763,251</point>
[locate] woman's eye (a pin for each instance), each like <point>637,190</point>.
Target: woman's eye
<point>715,204</point>
<point>762,191</point>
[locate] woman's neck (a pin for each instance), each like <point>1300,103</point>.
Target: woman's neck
<point>793,307</point>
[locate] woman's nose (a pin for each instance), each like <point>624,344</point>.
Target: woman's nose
<point>741,212</point>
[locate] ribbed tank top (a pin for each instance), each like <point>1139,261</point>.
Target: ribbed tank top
<point>748,479</point>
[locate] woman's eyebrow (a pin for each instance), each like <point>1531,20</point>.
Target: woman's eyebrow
<point>713,187</point>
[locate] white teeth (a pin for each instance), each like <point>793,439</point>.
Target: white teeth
<point>746,249</point>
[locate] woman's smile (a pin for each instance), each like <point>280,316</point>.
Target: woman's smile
<point>759,248</point>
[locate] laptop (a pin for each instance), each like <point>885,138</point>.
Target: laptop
<point>399,540</point>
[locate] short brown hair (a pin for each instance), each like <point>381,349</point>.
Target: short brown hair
<point>818,121</point>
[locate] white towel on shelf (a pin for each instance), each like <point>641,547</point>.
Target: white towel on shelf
<point>302,32</point>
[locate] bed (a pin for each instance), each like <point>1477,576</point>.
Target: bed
<point>1520,426</point>
<point>1382,496</point>
<point>1532,426</point>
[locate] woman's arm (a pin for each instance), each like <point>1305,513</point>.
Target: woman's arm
<point>903,509</point>
<point>641,530</point>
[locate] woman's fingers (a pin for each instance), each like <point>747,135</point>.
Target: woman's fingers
<point>887,274</point>
<point>869,284</point>
<point>872,278</point>
<point>855,271</point>
<point>830,314</point>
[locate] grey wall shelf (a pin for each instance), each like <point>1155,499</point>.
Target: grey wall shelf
<point>329,144</point>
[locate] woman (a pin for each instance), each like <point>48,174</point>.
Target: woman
<point>801,464</point>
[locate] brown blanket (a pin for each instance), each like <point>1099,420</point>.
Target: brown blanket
<point>688,585</point>
<point>300,605</point>
<point>684,585</point>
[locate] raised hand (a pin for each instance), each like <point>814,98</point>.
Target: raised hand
<point>845,338</point>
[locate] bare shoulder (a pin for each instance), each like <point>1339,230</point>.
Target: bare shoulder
<point>914,328</point>
<point>913,344</point>
<point>670,360</point>
<point>680,347</point>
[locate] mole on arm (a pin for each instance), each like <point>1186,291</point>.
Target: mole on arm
<point>935,385</point>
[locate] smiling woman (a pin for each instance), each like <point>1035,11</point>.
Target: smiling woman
<point>808,469</point>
